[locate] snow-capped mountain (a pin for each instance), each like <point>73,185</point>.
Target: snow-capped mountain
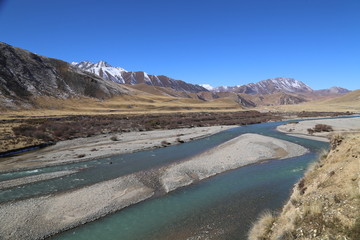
<point>207,86</point>
<point>102,69</point>
<point>120,75</point>
<point>279,85</point>
<point>268,86</point>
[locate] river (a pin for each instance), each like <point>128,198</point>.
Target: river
<point>221,207</point>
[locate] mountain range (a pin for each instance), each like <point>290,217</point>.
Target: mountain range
<point>274,85</point>
<point>26,76</point>
<point>120,75</point>
<point>269,86</point>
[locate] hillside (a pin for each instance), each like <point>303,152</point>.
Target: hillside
<point>325,204</point>
<point>25,76</point>
<point>351,98</point>
<point>348,102</point>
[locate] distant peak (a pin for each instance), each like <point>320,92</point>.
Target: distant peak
<point>282,79</point>
<point>207,86</point>
<point>102,64</point>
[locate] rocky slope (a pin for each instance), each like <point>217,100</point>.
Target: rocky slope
<point>325,204</point>
<point>120,75</point>
<point>268,86</point>
<point>25,76</point>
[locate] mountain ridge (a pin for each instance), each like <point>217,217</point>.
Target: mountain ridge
<point>122,76</point>
<point>273,85</point>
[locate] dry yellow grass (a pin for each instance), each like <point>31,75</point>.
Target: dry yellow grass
<point>348,102</point>
<point>262,227</point>
<point>138,104</point>
<point>325,204</point>
<point>141,102</point>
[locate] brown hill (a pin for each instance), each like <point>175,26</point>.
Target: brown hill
<point>349,98</point>
<point>348,102</point>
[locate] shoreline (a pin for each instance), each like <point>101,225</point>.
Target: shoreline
<point>17,182</point>
<point>238,152</point>
<point>339,126</point>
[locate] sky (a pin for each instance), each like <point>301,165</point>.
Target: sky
<point>216,42</point>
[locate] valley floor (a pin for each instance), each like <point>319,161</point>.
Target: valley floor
<point>29,218</point>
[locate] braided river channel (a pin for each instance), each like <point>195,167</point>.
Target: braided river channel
<point>220,207</point>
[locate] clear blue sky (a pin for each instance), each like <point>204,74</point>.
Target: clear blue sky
<point>218,42</point>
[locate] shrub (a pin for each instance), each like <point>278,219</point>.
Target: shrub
<point>310,131</point>
<point>262,228</point>
<point>24,130</point>
<point>323,128</point>
<point>336,141</point>
<point>41,135</point>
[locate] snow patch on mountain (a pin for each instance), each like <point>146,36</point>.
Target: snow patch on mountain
<point>207,86</point>
<point>102,69</point>
<point>268,86</point>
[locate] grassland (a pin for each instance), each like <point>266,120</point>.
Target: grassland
<point>349,102</point>
<point>47,106</point>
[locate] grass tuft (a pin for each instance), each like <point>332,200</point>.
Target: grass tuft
<point>261,229</point>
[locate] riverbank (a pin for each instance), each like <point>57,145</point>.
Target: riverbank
<point>339,125</point>
<point>43,216</point>
<point>105,145</point>
<point>325,203</point>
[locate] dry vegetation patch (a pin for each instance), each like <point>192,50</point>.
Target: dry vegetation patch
<point>30,131</point>
<point>320,128</point>
<point>9,140</point>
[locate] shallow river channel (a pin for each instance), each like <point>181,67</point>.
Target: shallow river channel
<point>221,207</point>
